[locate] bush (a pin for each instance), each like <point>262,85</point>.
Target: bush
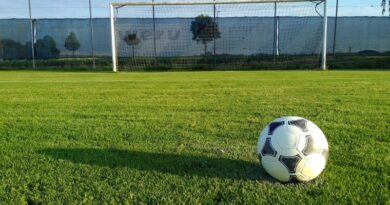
<point>204,63</point>
<point>369,53</point>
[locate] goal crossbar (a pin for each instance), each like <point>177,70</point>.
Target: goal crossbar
<point>121,4</point>
<point>116,5</point>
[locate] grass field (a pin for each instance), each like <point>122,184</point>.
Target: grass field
<point>174,138</point>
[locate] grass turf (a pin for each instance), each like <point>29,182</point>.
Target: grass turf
<point>81,138</point>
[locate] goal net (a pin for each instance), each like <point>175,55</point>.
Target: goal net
<point>215,35</point>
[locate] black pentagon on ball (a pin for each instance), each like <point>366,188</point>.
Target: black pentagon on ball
<point>310,146</point>
<point>301,123</point>
<point>273,126</point>
<point>268,150</point>
<point>290,162</point>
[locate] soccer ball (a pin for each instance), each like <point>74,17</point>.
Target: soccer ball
<point>293,149</point>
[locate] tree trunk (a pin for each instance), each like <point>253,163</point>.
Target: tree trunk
<point>205,49</point>
<point>73,53</point>
<point>133,51</point>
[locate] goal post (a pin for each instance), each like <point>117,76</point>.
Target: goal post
<point>324,37</point>
<point>113,40</point>
<point>219,35</point>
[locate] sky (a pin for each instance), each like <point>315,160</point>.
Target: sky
<point>79,8</point>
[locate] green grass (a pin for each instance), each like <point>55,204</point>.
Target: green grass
<point>174,138</point>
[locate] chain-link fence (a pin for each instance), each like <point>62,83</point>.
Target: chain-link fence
<point>75,35</point>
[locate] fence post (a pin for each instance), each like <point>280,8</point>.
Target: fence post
<point>92,35</point>
<point>154,33</point>
<point>32,34</point>
<point>214,30</point>
<point>335,32</point>
<point>275,31</point>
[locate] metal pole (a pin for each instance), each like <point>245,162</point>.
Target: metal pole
<point>277,35</point>
<point>214,30</point>
<point>92,34</point>
<point>113,39</point>
<point>335,32</point>
<point>325,36</point>
<point>209,2</point>
<point>32,34</point>
<point>154,33</point>
<point>275,28</point>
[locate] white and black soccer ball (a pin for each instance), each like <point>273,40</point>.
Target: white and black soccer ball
<point>293,149</point>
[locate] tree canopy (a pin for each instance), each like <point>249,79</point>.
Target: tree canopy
<point>72,43</point>
<point>47,48</point>
<point>132,40</point>
<point>204,30</point>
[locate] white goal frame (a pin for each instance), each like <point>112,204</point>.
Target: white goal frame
<point>115,5</point>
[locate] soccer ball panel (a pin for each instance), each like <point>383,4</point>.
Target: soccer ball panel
<point>276,170</point>
<point>268,148</point>
<point>301,142</point>
<point>318,135</point>
<point>262,140</point>
<point>273,126</point>
<point>288,118</point>
<point>290,162</point>
<point>312,146</point>
<point>268,158</point>
<point>301,178</point>
<point>288,152</point>
<point>293,153</point>
<point>300,123</point>
<point>314,165</point>
<point>287,138</point>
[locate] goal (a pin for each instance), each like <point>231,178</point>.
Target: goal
<point>219,35</point>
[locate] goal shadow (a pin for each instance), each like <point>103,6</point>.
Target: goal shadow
<point>178,164</point>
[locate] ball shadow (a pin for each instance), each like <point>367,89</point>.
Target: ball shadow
<point>183,165</point>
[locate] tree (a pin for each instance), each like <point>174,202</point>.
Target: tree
<point>72,43</point>
<point>11,49</point>
<point>204,30</point>
<point>132,40</point>
<point>47,48</point>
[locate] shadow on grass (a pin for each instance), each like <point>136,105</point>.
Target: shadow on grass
<point>183,165</point>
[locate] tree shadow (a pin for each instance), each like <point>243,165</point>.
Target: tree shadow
<point>182,165</point>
